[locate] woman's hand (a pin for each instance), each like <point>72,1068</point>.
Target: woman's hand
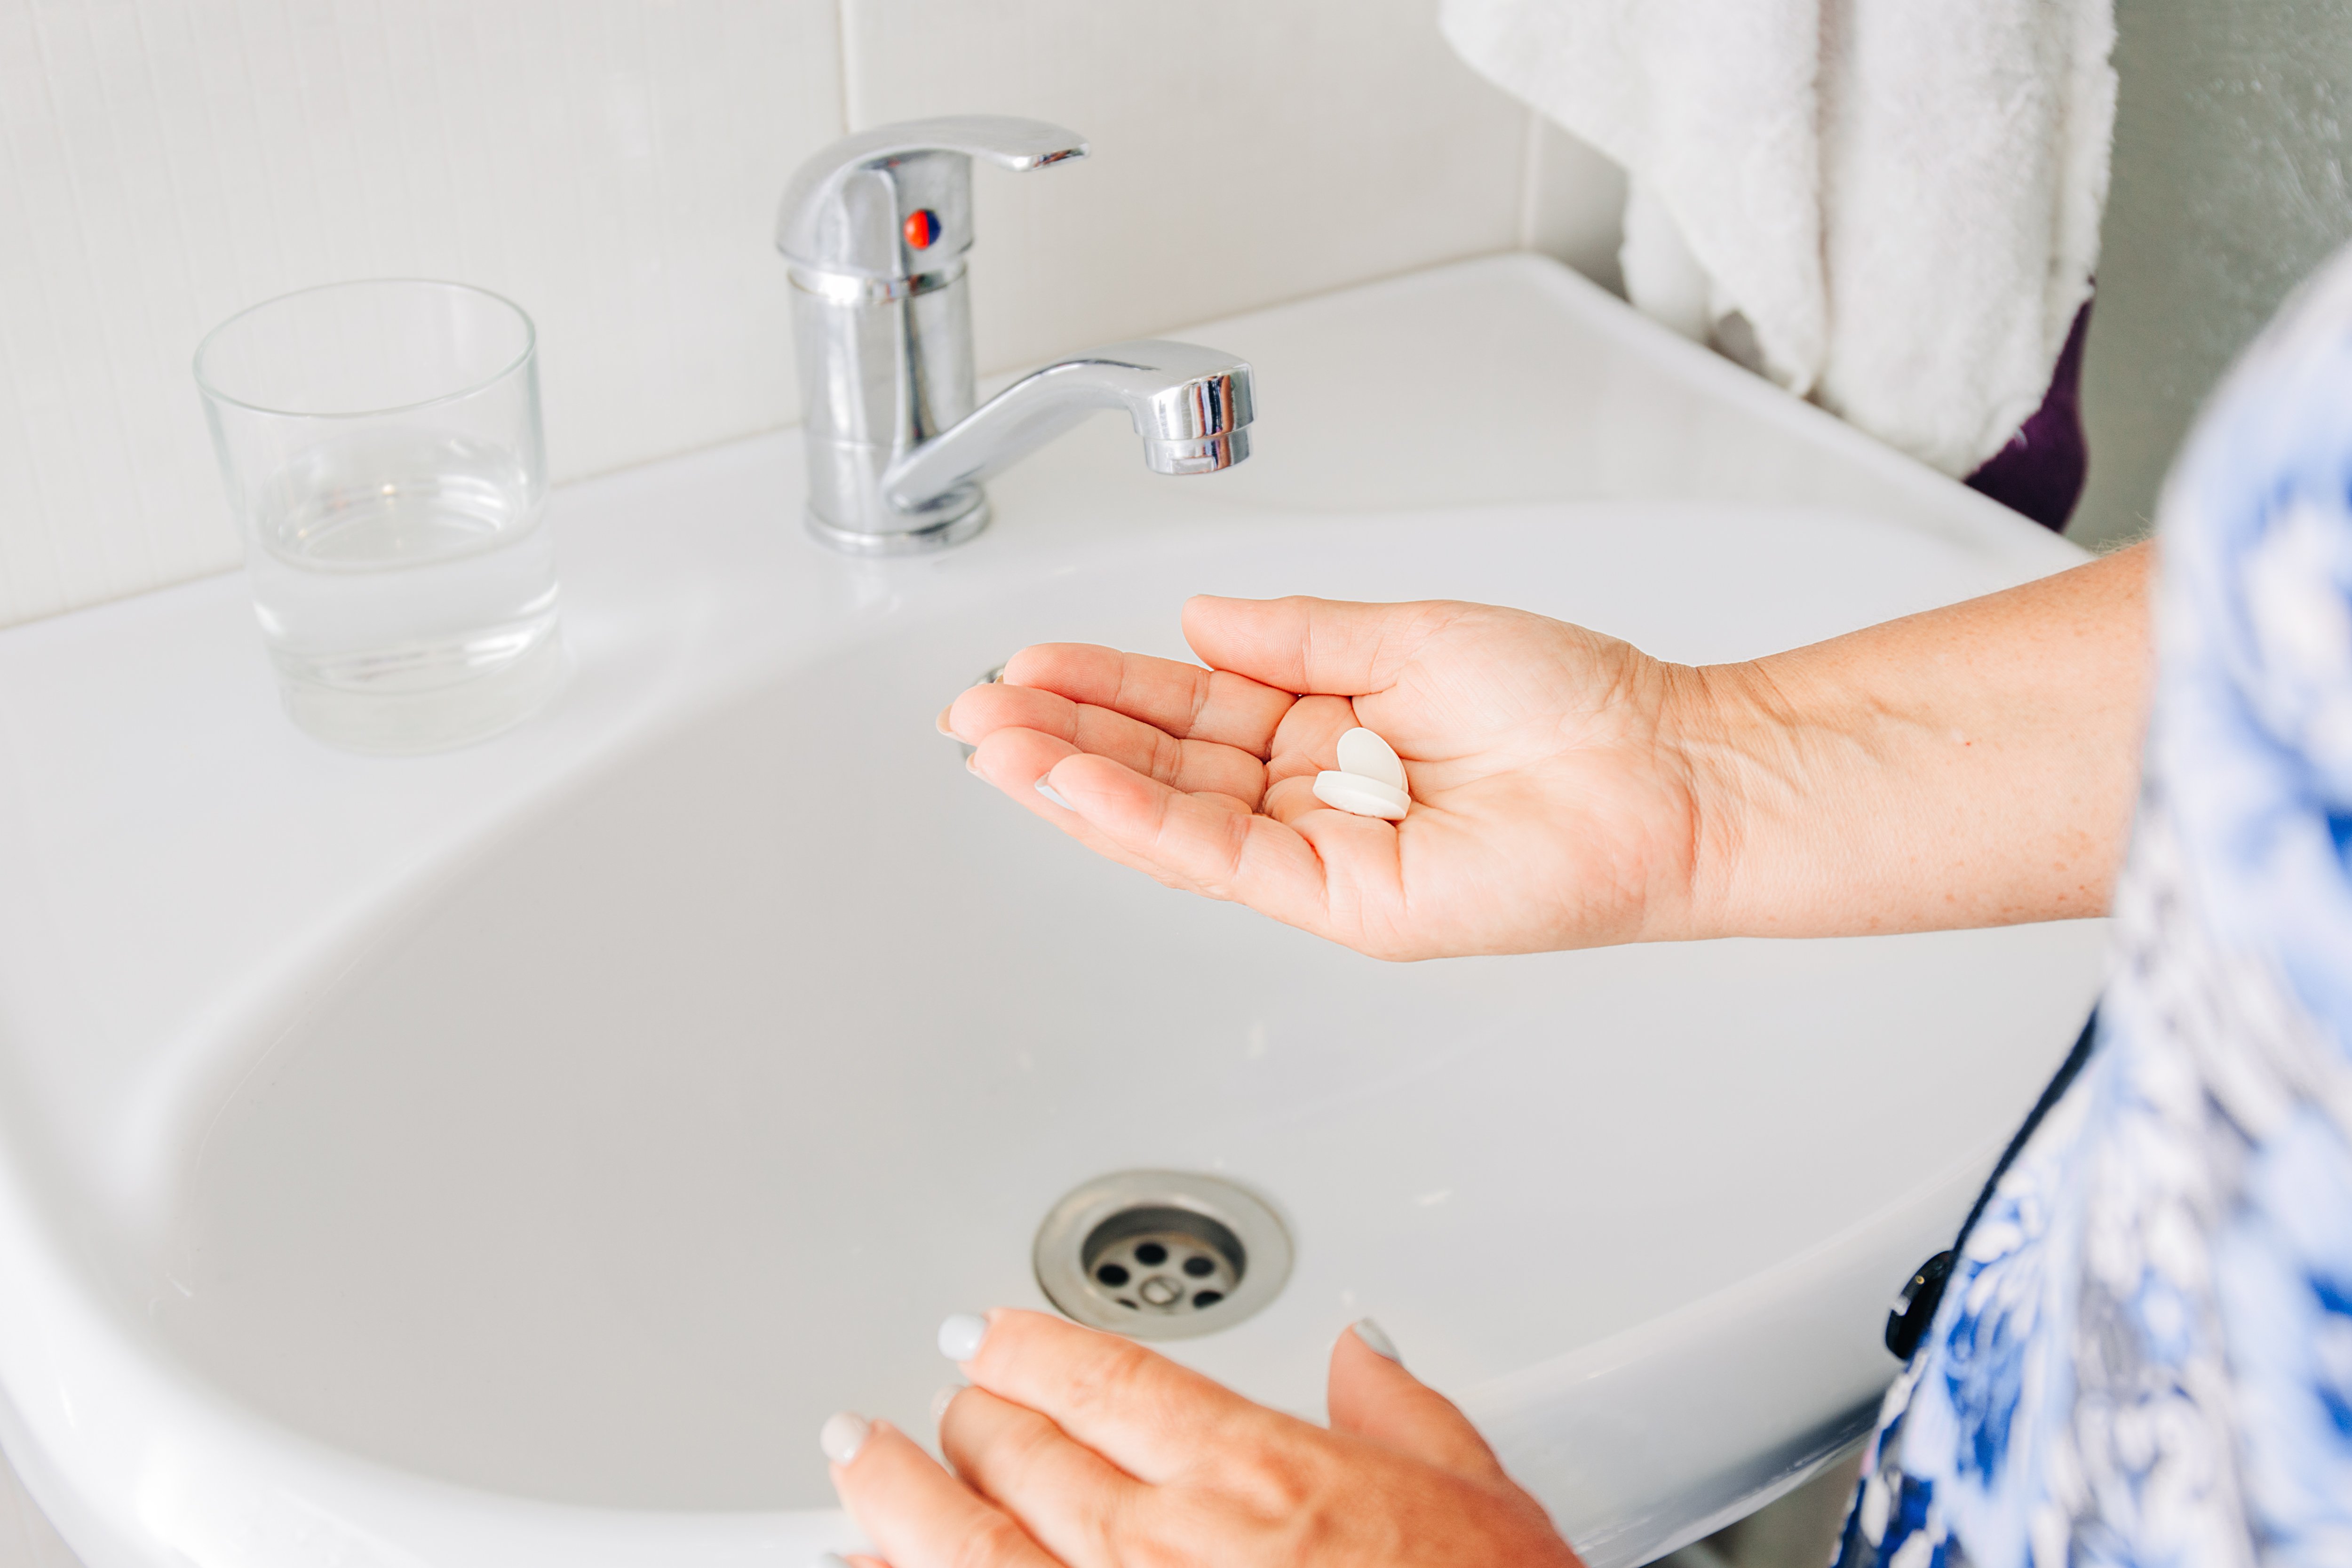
<point>1974,765</point>
<point>1084,1449</point>
<point>1551,805</point>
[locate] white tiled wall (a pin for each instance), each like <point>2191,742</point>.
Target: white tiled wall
<point>1252,151</point>
<point>614,165</point>
<point>610,163</point>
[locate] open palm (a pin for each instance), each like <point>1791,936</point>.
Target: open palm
<point>1552,807</point>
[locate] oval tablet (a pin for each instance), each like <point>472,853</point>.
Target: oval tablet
<point>1362,796</point>
<point>1368,756</point>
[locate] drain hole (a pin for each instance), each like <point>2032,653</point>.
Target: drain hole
<point>1139,1244</point>
<point>1162,1254</point>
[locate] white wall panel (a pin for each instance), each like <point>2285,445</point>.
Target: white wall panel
<point>2231,184</point>
<point>1246,152</point>
<point>1575,203</point>
<point>611,164</point>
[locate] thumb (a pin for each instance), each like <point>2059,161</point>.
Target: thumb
<point>1334,647</point>
<point>1373,1397</point>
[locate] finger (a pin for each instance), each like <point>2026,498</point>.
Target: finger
<point>1153,1419</point>
<point>1373,1396</point>
<point>1307,740</point>
<point>1204,841</point>
<point>1017,761</point>
<point>918,1516</point>
<point>1187,764</point>
<point>1302,645</point>
<point>1336,832</point>
<point>1069,1498</point>
<point>1305,864</point>
<point>1184,700</point>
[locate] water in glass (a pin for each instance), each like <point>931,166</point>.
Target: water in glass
<point>393,561</point>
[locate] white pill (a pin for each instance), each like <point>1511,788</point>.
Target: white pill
<point>1368,756</point>
<point>1363,796</point>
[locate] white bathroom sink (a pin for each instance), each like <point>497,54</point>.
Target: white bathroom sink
<point>510,1156</point>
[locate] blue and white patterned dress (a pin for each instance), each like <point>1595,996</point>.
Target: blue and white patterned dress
<point>2144,1355</point>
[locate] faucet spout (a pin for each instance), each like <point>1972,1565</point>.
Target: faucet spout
<point>1191,405</point>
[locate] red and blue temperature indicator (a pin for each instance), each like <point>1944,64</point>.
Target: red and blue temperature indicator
<point>922,228</point>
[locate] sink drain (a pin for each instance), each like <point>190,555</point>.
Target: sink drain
<point>1162,1254</point>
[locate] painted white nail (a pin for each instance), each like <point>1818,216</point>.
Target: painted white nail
<point>1050,793</point>
<point>1362,797</point>
<point>1376,1340</point>
<point>843,1434</point>
<point>961,1335</point>
<point>1368,756</point>
<point>941,1400</point>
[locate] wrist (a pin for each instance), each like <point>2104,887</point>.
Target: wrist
<point>1731,732</point>
<point>1973,765</point>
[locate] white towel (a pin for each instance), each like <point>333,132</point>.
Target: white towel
<point>1898,199</point>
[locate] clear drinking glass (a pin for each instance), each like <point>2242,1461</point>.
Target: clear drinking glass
<point>381,444</point>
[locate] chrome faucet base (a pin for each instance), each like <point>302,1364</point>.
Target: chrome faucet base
<point>874,230</point>
<point>940,535</point>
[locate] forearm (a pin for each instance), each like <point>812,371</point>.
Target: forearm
<point>1974,765</point>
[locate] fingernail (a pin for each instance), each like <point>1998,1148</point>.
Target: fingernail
<point>1376,1340</point>
<point>961,1335</point>
<point>941,1400</point>
<point>942,723</point>
<point>968,765</point>
<point>1050,793</point>
<point>843,1434</point>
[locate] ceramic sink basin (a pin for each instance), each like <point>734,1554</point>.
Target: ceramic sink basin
<point>512,1156</point>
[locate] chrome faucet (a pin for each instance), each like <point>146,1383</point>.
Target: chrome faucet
<point>874,228</point>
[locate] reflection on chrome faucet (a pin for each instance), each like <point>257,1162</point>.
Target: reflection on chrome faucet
<point>1191,406</point>
<point>876,228</point>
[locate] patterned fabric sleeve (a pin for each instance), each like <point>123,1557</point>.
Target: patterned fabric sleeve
<point>2144,1354</point>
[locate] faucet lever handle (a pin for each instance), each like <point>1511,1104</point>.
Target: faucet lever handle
<point>1005,140</point>
<point>852,208</point>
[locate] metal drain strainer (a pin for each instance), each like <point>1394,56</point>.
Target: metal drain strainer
<point>1162,1254</point>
